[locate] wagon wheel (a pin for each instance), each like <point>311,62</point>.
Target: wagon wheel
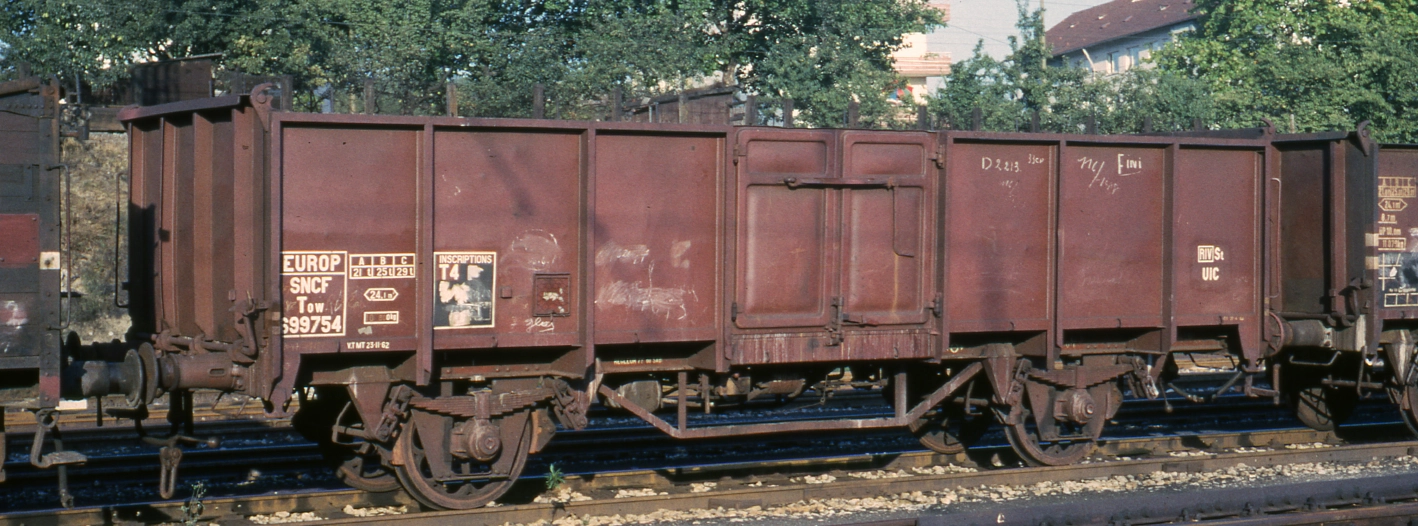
<point>475,483</point>
<point>364,470</point>
<point>949,433</point>
<point>1055,443</point>
<point>1403,394</point>
<point>359,466</point>
<point>1409,394</point>
<point>1323,409</point>
<point>937,436</point>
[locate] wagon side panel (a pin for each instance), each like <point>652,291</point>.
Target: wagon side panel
<point>1396,241</point>
<point>348,237</point>
<point>1110,235</point>
<point>997,198</point>
<point>657,234</point>
<point>507,208</point>
<point>1216,240</point>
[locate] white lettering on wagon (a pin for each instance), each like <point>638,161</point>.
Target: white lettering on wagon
<point>464,295</point>
<point>1104,179</point>
<point>381,266</point>
<point>362,345</point>
<point>315,286</point>
<point>1210,254</point>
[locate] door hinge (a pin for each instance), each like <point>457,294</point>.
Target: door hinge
<point>936,307</point>
<point>734,312</point>
<point>834,327</point>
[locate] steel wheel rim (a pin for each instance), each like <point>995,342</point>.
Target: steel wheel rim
<point>1025,439</point>
<point>410,464</point>
<point>952,433</point>
<point>366,473</point>
<point>937,438</point>
<point>1410,392</point>
<point>1313,409</point>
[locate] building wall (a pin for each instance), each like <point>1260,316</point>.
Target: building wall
<point>923,70</point>
<point>1122,54</point>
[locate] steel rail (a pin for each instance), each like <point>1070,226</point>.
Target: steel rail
<point>327,503</point>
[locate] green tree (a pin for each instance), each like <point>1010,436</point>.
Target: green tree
<point>1010,93</point>
<point>822,53</point>
<point>1331,63</point>
<point>94,39</point>
<point>977,83</point>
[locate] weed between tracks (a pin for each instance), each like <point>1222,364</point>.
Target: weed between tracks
<point>555,478</point>
<point>193,508</point>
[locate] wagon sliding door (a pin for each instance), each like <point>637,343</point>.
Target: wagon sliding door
<point>834,246</point>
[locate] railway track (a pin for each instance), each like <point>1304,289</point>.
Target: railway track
<point>615,442</point>
<point>761,484</point>
<point>630,449</point>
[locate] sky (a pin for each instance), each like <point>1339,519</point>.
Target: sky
<point>993,21</point>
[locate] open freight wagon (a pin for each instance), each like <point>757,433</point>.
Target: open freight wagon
<point>439,291</point>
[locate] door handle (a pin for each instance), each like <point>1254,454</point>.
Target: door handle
<point>832,182</point>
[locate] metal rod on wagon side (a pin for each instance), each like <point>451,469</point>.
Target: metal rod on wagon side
<point>452,100</point>
<point>617,104</point>
<point>539,101</point>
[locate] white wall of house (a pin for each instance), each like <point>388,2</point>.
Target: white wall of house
<point>1121,54</point>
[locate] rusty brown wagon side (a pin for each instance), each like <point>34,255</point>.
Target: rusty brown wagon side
<point>30,237</point>
<point>1097,259</point>
<point>1393,238</point>
<point>1324,324</point>
<point>459,282</point>
<point>413,268</point>
<point>439,292</point>
<point>33,257</point>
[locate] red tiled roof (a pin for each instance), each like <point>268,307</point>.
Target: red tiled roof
<point>1114,20</point>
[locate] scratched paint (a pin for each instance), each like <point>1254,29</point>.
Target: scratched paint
<point>612,253</point>
<point>13,314</point>
<point>534,325</point>
<point>536,250</point>
<point>677,251</point>
<point>636,296</point>
<point>13,318</point>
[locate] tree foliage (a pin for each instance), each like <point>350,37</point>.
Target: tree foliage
<point>1009,93</point>
<point>1329,63</point>
<point>822,53</point>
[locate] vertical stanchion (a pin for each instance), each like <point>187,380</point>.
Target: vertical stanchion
<point>617,105</point>
<point>787,113</point>
<point>683,408</point>
<point>287,92</point>
<point>539,101</point>
<point>369,96</point>
<point>452,100</point>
